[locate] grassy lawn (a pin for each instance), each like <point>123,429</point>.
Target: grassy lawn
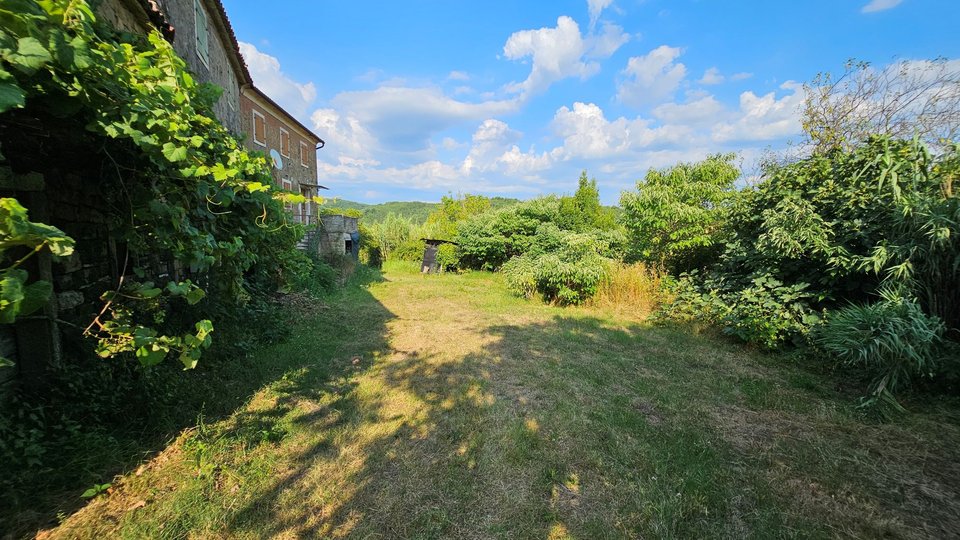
<point>441,407</point>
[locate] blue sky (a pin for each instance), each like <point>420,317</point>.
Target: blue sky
<point>422,98</point>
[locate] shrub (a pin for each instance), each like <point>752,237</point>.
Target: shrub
<point>763,311</point>
<point>409,250</point>
<point>566,282</point>
<point>370,253</point>
<point>891,341</point>
<point>447,257</point>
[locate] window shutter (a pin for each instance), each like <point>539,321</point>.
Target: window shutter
<point>203,40</point>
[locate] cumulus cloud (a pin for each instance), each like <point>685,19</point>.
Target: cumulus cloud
<point>702,111</point>
<point>712,76</point>
<point>346,137</point>
<point>596,7</point>
<point>295,97</point>
<point>559,53</point>
<point>764,117</point>
<point>405,118</point>
<point>491,139</point>
<point>651,78</point>
<point>587,133</point>
<point>879,5</point>
<point>604,44</point>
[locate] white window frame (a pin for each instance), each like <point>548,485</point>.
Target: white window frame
<point>303,154</point>
<point>282,133</point>
<point>253,127</point>
<point>198,11</point>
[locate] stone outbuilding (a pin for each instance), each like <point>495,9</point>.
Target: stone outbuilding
<point>338,235</point>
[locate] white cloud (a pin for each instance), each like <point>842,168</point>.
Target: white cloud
<point>295,97</point>
<point>652,78</point>
<point>711,76</point>
<point>764,117</point>
<point>558,53</point>
<point>604,44</point>
<point>880,5</point>
<point>345,136</point>
<point>458,76</point>
<point>404,119</point>
<point>702,111</point>
<point>596,7</point>
<point>491,139</point>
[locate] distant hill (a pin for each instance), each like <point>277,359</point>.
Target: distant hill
<point>416,211</point>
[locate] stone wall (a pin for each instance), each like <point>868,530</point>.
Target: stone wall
<point>220,71</point>
<point>80,210</point>
<point>123,15</point>
<point>336,233</point>
<point>302,177</point>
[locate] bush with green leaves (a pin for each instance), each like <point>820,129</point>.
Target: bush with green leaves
<point>831,229</point>
<point>562,266</point>
<point>762,310</point>
<point>676,215</point>
<point>890,342</point>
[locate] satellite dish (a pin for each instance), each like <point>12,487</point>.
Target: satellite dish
<point>277,160</point>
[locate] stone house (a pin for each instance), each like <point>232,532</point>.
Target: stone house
<point>201,34</point>
<point>291,146</point>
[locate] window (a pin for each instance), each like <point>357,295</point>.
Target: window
<point>203,39</point>
<point>284,143</point>
<point>304,154</point>
<point>259,129</point>
<point>287,186</point>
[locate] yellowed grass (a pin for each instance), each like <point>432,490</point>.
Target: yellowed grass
<point>632,289</point>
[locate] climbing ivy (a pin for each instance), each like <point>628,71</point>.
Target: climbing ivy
<point>185,188</point>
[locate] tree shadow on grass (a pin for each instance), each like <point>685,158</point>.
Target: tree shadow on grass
<point>583,426</point>
<point>476,447</point>
<point>312,359</point>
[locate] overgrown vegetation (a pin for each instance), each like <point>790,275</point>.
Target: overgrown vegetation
<point>179,191</point>
<point>524,419</point>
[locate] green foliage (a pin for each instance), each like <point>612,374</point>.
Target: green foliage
<point>370,252</point>
<point>389,234</point>
<point>676,215</point>
<point>891,342</point>
<point>443,221</point>
<point>20,236</point>
<point>829,230</point>
<point>562,266</point>
<point>583,211</point>
<point>410,249</point>
<point>185,188</point>
<point>764,311</point>
<point>447,257</point>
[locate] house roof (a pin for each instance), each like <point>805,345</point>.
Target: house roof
<point>159,19</point>
<point>259,93</point>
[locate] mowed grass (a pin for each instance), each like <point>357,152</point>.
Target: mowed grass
<point>441,407</point>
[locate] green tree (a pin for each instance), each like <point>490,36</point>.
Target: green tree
<point>443,221</point>
<point>583,211</point>
<point>675,217</point>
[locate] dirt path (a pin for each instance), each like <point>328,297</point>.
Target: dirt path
<point>440,407</point>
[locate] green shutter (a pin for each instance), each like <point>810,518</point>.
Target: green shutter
<point>203,41</point>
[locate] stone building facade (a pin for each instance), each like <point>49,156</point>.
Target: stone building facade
<point>71,201</point>
<point>273,131</point>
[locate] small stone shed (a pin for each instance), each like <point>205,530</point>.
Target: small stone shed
<point>338,235</point>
